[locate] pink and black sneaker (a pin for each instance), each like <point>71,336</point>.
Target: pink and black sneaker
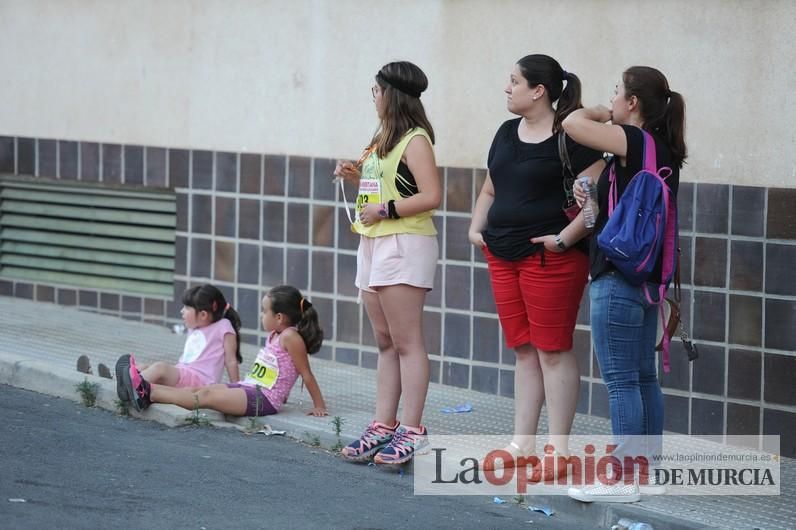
<point>373,440</point>
<point>406,442</point>
<point>130,386</point>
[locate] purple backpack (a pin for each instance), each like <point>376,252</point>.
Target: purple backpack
<point>642,226</point>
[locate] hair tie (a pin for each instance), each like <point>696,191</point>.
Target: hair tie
<point>301,306</point>
<point>564,74</point>
<point>399,85</point>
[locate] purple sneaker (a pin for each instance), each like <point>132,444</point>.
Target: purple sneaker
<point>403,446</point>
<point>373,440</point>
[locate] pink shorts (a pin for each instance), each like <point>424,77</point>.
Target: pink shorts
<point>191,378</point>
<point>396,259</point>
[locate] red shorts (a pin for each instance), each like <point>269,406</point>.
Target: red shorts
<point>537,304</point>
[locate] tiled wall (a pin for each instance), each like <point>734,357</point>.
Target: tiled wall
<point>249,221</point>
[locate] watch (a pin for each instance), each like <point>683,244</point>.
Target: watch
<point>382,211</point>
<point>560,242</point>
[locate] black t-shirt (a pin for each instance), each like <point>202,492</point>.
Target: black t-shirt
<point>529,190</point>
<point>635,163</point>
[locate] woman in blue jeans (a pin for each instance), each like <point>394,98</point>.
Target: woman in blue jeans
<point>623,321</point>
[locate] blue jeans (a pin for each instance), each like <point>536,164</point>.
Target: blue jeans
<point>624,327</point>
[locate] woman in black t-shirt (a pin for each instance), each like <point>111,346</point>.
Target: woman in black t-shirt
<point>623,321</point>
<point>537,278</point>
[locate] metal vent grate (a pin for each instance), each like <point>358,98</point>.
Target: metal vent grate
<point>87,236</point>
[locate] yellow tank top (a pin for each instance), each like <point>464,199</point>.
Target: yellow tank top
<point>377,184</point>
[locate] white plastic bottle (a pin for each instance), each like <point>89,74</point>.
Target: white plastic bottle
<point>590,207</point>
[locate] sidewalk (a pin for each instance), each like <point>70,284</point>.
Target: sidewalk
<point>41,342</point>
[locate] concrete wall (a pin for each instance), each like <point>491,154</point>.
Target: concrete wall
<point>293,77</point>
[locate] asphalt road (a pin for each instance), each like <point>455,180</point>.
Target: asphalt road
<point>87,468</point>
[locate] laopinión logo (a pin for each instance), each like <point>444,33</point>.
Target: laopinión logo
<point>471,465</point>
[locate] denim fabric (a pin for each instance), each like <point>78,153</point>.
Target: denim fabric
<point>624,327</point>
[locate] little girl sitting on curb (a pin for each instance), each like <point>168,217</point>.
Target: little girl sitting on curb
<point>294,334</point>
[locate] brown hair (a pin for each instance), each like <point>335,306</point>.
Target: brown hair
<point>662,109</point>
<point>401,84</point>
<point>539,69</point>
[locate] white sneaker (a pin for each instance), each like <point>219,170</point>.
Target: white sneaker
<point>653,487</point>
<point>605,493</point>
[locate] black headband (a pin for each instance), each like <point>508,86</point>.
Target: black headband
<point>398,85</point>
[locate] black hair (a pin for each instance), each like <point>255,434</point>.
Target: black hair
<point>539,69</point>
<point>288,300</point>
<point>401,83</point>
<point>662,109</point>
<point>209,298</point>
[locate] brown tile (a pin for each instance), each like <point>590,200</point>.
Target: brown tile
<point>67,296</point>
<point>458,189</point>
<point>746,320</point>
<point>483,300</point>
<point>748,211</point>
<point>710,261</point>
<point>585,308</point>
<point>109,301</point>
<point>298,176</point>
<point>48,158</point>
<point>182,211</point>
<point>707,417</point>
<point>251,173</point>
<point>434,370</point>
<point>325,309</point>
<point>273,221</point>
<point>131,304</point>
<point>67,160</point>
<point>432,331</point>
<point>153,307</point>
<point>583,399</point>
<point>711,215</point>
<point>779,267</point>
<point>679,376</point>
<point>297,269</point>
<point>457,287</point>
<point>202,170</point>
<point>179,166</point>
<point>134,164</point>
<point>87,298</point>
<point>26,156</point>
<point>323,226</point>
<point>781,222</point>
<point>348,321</point>
<point>457,335</point>
<point>581,346</point>
<point>708,373</point>
<point>23,290</point>
<point>7,156</point>
<point>201,214</point>
<point>45,293</point>
<point>599,400</point>
<point>6,288</point>
<point>248,264</point>
<point>686,251</point>
<point>247,304</point>
<point>274,175</point>
<point>709,316</point>
<point>226,171</point>
<point>434,297</point>
<point>322,271</point>
<point>323,186</point>
<point>457,246</point>
<point>201,254</point>
<point>743,419</point>
<point>111,163</point>
<point>783,424</point>
<point>507,383</point>
<point>346,274</point>
<point>346,356</point>
<point>156,167</point>
<point>485,379</point>
<point>273,268</point>
<point>778,375</point>
<point>249,219</point>
<point>456,374</point>
<point>780,323</point>
<point>675,416</point>
<point>89,162</point>
<point>486,339</point>
<point>298,222</point>
<point>743,375</point>
<point>346,238</point>
<point>226,216</point>
<point>224,269</point>
<point>746,266</point>
<point>685,207</point>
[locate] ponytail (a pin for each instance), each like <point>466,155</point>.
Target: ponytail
<point>209,298</point>
<point>287,300</point>
<point>569,101</point>
<point>674,118</point>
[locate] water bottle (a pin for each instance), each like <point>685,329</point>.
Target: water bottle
<point>627,524</point>
<point>590,207</point>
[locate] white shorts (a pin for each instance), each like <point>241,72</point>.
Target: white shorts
<point>396,259</point>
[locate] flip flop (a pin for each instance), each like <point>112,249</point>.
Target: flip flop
<point>84,365</point>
